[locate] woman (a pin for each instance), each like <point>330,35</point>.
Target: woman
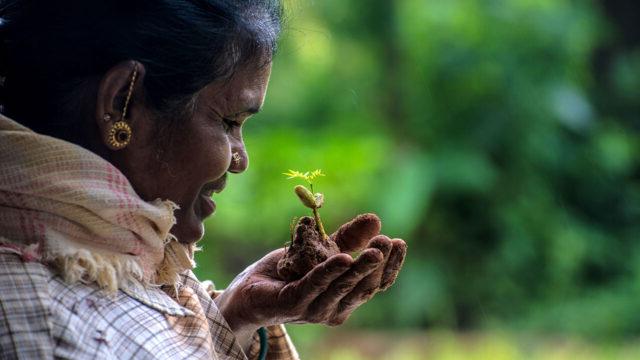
<point>123,118</point>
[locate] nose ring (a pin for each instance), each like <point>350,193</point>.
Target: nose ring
<point>236,158</point>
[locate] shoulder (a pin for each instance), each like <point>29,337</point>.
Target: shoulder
<point>16,271</point>
<point>25,308</point>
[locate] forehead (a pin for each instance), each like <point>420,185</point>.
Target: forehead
<point>244,91</point>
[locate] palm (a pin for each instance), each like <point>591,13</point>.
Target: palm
<point>330,292</point>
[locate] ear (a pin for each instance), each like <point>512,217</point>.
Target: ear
<point>112,94</point>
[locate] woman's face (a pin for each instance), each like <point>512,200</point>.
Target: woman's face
<point>194,163</point>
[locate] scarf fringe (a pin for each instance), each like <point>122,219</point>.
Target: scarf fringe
<point>113,271</point>
<point>108,271</point>
<point>176,259</point>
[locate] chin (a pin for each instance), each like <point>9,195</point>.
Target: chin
<point>188,229</point>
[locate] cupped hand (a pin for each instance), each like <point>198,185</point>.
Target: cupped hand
<point>327,294</point>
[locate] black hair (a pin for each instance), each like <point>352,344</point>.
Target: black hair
<point>54,51</point>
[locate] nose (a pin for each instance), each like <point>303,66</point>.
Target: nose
<point>239,160</point>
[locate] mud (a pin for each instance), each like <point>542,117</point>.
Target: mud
<point>307,250</point>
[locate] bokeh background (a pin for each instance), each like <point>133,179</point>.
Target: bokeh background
<point>498,138</point>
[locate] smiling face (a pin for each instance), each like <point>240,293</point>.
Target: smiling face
<point>200,151</point>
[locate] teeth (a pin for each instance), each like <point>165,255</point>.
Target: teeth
<point>209,190</point>
<point>207,193</point>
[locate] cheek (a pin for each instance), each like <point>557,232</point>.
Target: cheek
<point>200,156</point>
<point>194,156</point>
<point>207,154</point>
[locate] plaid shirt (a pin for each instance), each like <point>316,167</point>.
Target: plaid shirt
<point>42,317</point>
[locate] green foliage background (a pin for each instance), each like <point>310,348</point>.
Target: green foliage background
<point>484,133</point>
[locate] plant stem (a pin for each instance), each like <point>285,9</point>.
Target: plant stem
<point>316,216</point>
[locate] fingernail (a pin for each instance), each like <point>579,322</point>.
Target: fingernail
<point>375,264</point>
<point>341,267</point>
<point>385,248</point>
<point>374,257</point>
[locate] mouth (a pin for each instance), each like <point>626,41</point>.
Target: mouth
<point>207,205</point>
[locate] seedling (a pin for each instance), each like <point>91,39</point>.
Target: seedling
<point>313,201</point>
<point>310,244</point>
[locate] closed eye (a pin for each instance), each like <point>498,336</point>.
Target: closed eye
<point>229,124</point>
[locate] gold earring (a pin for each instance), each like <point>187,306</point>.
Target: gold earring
<point>120,132</point>
<point>119,135</point>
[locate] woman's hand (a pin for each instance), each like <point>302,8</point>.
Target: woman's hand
<point>328,294</point>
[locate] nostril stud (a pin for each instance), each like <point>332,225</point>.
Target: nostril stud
<point>236,158</point>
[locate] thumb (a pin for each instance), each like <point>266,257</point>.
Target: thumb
<point>268,264</point>
<point>355,234</point>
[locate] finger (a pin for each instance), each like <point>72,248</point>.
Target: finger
<point>326,303</point>
<point>368,286</point>
<point>268,265</point>
<point>394,264</point>
<point>317,280</point>
<point>339,319</point>
<point>355,234</point>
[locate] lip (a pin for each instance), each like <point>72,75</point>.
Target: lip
<point>214,187</point>
<point>207,206</point>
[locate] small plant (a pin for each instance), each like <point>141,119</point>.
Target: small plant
<point>310,244</point>
<point>313,201</point>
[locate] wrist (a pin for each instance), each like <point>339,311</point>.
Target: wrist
<point>243,330</point>
<point>235,318</point>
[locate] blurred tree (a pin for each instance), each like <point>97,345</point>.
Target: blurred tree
<point>499,138</point>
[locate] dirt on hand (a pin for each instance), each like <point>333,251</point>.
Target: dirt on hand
<point>307,250</point>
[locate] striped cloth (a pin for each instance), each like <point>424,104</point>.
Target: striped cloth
<point>88,270</point>
<point>44,317</point>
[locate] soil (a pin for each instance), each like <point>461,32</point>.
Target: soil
<point>307,250</point>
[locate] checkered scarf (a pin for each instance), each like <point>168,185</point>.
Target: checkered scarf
<point>66,206</point>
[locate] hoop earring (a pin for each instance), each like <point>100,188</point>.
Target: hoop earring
<point>120,133</point>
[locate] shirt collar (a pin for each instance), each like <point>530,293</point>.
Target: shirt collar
<point>156,298</point>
